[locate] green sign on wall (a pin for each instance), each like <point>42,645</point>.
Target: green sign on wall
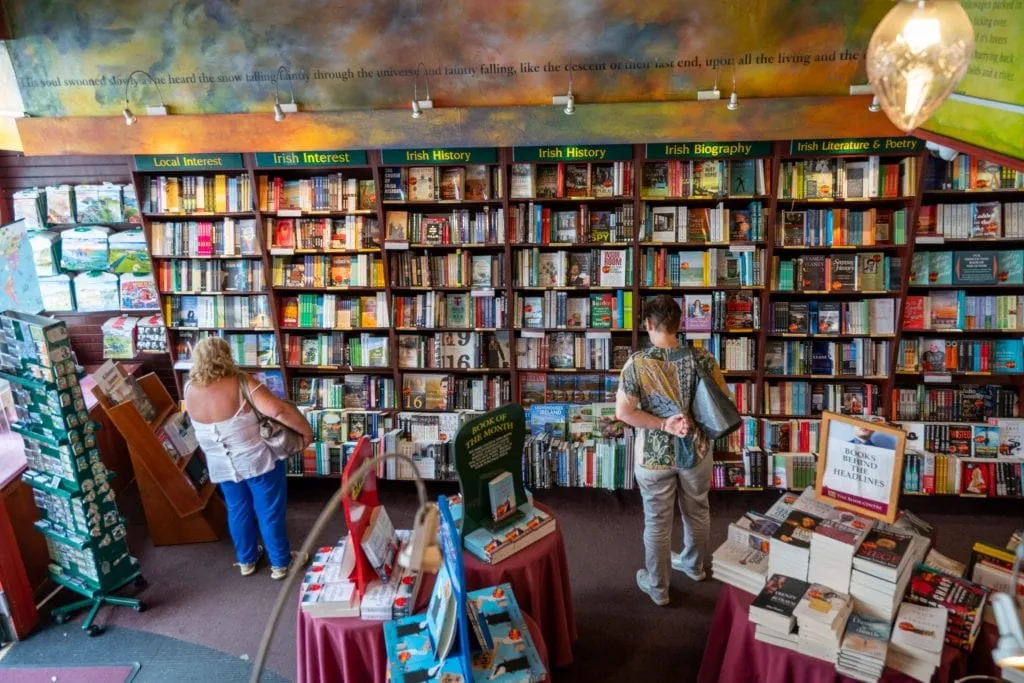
<point>857,146</point>
<point>319,158</point>
<point>188,162</point>
<point>573,153</point>
<point>708,150</point>
<point>447,155</point>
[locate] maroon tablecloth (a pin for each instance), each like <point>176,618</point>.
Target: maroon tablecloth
<point>539,576</point>
<point>733,656</point>
<point>352,650</point>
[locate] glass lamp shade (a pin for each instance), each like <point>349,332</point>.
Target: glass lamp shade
<point>917,54</point>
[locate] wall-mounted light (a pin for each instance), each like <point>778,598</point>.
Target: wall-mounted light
<point>874,107</point>
<point>288,107</point>
<point>917,54</point>
<point>713,94</point>
<point>568,99</point>
<point>128,114</point>
<point>419,105</point>
<point>734,101</point>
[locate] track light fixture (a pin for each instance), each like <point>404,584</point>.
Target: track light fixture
<point>734,101</point>
<point>419,105</point>
<point>287,107</point>
<point>874,106</point>
<point>568,99</point>
<point>128,114</point>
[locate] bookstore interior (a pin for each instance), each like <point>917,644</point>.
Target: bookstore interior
<point>449,292</point>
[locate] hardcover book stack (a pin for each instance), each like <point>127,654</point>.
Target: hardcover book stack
<point>821,618</point>
<point>84,531</point>
<point>917,638</point>
<point>772,611</point>
<point>882,569</point>
<point>865,645</point>
<point>964,600</point>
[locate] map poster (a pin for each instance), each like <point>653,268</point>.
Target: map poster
<point>486,448</point>
<point>860,465</point>
<point>19,284</point>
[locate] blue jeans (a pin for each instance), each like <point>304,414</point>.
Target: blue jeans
<point>259,501</point>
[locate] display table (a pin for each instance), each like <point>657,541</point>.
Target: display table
<point>732,655</point>
<point>539,576</point>
<point>352,650</point>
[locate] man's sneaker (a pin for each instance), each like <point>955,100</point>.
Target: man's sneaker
<point>278,573</point>
<point>248,568</point>
<point>643,582</point>
<point>677,564</point>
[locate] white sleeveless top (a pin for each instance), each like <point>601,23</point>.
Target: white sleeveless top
<point>233,447</point>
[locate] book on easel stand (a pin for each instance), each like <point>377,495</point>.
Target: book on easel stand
<point>437,645</point>
<point>498,515</point>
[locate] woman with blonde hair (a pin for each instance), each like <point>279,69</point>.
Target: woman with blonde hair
<point>252,480</point>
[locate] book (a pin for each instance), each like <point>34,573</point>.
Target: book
<point>548,185</point>
<point>579,269</point>
<point>501,496</point>
<point>975,268</point>
<point>697,312</point>
<point>654,179</point>
<point>843,272</point>
<point>478,182</point>
<point>421,183</point>
<point>774,605</point>
<point>493,546</point>
<point>612,268</point>
<point>521,181</point>
<point>920,631</point>
<point>883,554</point>
<point>962,599</point>
<point>380,543</point>
<point>863,651</point>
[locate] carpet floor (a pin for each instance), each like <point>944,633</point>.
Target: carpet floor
<point>195,595</point>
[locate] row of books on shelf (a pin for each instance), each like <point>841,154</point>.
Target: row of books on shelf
<point>829,178</point>
<point>961,355</point>
<point>93,247</point>
<point>473,182</point>
<point>359,349</point>
<point>733,354</point>
<point>854,358</point>
<point>601,311</point>
<point>956,310</point>
<point>459,310</point>
<point>334,312</point>
<point>456,269</point>
<point>568,350</point>
<point>791,435</point>
<point>976,221</point>
<point>217,193</point>
<point>218,310</point>
<point>731,311</point>
<point>536,387</point>
<point>716,225</point>
<point>705,178</point>
<point>537,224</point>
<point>841,228</point>
<point>226,237</point>
<point>821,273</point>
<point>876,316</point>
<point>967,403</point>
<point>456,350</point>
<point>66,204</point>
<point>999,437</point>
<point>813,398</point>
<point>553,181</point>
<point>942,474</point>
<point>746,471</point>
<point>348,391</point>
<point>213,275</point>
<point>98,291</point>
<point>440,391</point>
<point>707,268</point>
<point>336,426</point>
<point>967,268</point>
<point>347,270</point>
<point>248,349</point>
<point>285,235</point>
<point>968,172</point>
<point>460,226</point>
<point>593,268</point>
<point>329,192</point>
<point>603,462</point>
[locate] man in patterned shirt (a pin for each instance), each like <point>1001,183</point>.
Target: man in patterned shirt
<point>673,457</point>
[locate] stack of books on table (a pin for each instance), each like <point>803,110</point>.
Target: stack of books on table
<point>917,638</point>
<point>326,591</point>
<point>834,543</point>
<point>821,618</point>
<point>772,611</point>
<point>790,548</point>
<point>882,568</point>
<point>962,599</point>
<point>742,561</point>
<point>863,652</point>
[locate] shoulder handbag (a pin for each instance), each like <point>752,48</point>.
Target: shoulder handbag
<point>282,440</point>
<point>712,409</point>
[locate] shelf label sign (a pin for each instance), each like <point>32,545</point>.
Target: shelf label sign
<point>335,157</point>
<point>857,146</point>
<point>441,155</point>
<point>187,162</point>
<point>708,150</point>
<point>572,153</point>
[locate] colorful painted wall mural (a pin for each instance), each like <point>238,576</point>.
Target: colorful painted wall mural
<point>71,58</point>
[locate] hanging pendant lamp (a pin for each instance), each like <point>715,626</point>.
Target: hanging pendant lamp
<point>917,55</point>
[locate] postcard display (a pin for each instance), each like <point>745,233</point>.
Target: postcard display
<point>437,645</point>
<point>84,531</point>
